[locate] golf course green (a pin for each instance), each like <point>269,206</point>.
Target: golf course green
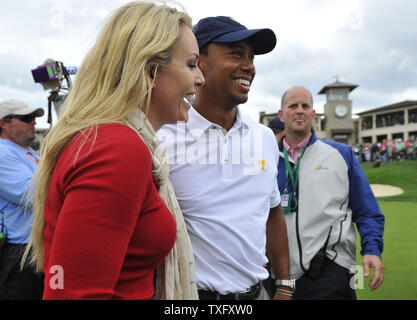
<point>400,237</point>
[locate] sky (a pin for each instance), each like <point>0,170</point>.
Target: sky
<point>371,43</point>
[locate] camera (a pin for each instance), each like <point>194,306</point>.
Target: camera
<point>55,77</point>
<point>44,73</point>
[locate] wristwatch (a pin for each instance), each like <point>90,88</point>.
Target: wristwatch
<point>286,283</point>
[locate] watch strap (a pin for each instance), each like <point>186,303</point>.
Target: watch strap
<point>286,283</point>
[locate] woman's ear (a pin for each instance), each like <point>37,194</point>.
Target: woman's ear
<point>152,74</point>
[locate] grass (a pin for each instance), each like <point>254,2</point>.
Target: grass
<point>400,238</point>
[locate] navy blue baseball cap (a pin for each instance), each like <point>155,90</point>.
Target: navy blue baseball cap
<point>225,29</point>
<point>276,123</point>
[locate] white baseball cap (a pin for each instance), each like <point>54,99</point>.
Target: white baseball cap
<point>19,108</point>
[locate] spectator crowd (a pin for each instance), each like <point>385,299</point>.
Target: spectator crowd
<point>386,150</point>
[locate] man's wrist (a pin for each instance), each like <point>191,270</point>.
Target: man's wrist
<point>285,286</point>
<point>284,292</point>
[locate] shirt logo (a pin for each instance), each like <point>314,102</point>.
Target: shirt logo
<point>262,164</point>
<point>319,167</point>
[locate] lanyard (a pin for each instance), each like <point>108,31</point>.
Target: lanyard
<point>293,174</point>
<point>3,233</point>
<point>34,160</point>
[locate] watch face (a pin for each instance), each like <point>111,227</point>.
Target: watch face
<point>341,110</point>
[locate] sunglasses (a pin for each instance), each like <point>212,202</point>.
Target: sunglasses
<point>28,118</point>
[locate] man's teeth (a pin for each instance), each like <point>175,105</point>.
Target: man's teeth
<point>243,81</point>
<point>190,98</point>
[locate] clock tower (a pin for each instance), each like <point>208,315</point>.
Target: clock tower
<point>338,111</point>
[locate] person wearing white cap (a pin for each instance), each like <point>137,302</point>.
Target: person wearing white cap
<point>18,122</point>
<point>18,162</point>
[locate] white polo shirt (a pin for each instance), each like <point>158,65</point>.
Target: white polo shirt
<point>226,183</point>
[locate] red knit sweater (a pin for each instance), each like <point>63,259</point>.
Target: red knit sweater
<point>105,225</point>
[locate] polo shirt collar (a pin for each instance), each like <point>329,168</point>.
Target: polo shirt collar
<point>16,146</point>
<point>197,121</point>
<point>241,121</point>
<point>299,146</point>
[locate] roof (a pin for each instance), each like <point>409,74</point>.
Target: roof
<point>391,107</point>
<point>338,84</point>
<point>341,131</point>
<point>263,115</point>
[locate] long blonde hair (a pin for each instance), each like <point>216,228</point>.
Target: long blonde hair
<point>113,80</point>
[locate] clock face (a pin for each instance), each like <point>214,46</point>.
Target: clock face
<point>341,110</point>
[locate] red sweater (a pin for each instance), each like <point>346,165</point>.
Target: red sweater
<point>105,224</point>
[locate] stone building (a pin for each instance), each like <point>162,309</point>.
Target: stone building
<point>337,122</point>
<point>395,121</point>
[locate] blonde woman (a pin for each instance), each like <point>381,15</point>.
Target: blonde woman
<point>101,227</point>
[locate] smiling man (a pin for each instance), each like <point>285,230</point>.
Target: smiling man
<point>231,205</point>
<point>18,162</point>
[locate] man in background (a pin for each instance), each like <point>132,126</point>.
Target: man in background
<point>18,162</point>
<point>277,128</point>
<point>324,195</point>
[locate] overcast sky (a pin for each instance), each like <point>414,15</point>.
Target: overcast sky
<point>372,43</point>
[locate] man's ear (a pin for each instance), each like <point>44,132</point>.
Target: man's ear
<point>201,63</point>
<point>2,124</point>
<point>280,115</point>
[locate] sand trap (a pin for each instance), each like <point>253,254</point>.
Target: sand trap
<point>384,190</point>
